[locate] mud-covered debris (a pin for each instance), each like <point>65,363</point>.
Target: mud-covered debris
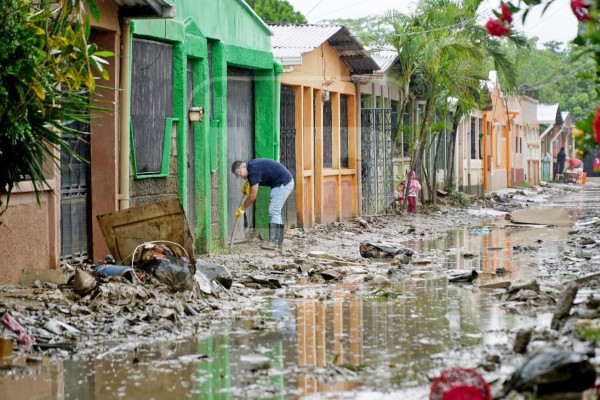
<point>124,271</point>
<point>19,331</point>
<point>400,259</point>
<point>253,280</point>
<point>120,294</point>
<point>529,285</point>
<point>422,274</point>
<point>462,276</point>
<point>522,339</point>
<point>325,258</point>
<point>563,307</point>
<point>215,272</point>
<point>383,250</point>
<point>552,370</point>
<point>59,327</point>
<point>168,264</point>
<point>202,282</point>
<point>255,362</point>
<point>83,282</point>
<point>496,285</point>
<point>363,223</point>
<point>331,274</point>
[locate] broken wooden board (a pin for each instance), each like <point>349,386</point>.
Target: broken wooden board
<point>125,230</point>
<point>556,216</point>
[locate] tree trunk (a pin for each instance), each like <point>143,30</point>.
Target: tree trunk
<point>452,149</point>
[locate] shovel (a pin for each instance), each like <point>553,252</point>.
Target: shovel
<point>235,224</point>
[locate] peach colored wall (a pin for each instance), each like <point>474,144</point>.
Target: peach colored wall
<point>28,233</point>
<point>322,69</point>
<point>318,66</point>
<point>499,141</point>
<point>347,197</point>
<point>105,135</point>
<point>329,201</point>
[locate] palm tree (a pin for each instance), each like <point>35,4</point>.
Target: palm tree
<point>441,48</point>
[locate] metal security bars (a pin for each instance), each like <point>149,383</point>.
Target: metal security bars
<point>376,151</point>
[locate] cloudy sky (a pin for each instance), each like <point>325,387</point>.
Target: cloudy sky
<point>557,23</point>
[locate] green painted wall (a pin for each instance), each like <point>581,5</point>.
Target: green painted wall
<point>239,39</point>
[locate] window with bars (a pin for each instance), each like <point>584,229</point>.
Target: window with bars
<point>480,136</point>
<point>327,135</point>
<point>473,139</point>
<point>151,104</point>
<point>344,131</point>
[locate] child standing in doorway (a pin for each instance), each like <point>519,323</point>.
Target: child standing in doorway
<point>414,187</point>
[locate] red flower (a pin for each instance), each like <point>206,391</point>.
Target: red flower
<point>580,9</point>
<point>597,125</point>
<point>506,13</point>
<point>495,27</point>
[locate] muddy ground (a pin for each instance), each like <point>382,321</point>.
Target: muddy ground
<point>116,314</point>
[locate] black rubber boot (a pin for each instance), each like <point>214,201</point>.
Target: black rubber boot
<point>281,229</point>
<point>273,238</point>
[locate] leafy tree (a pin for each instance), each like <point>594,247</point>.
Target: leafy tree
<point>440,50</point>
<point>552,75</point>
<point>46,76</point>
<point>276,12</point>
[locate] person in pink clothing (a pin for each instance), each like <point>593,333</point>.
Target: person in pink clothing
<point>414,187</point>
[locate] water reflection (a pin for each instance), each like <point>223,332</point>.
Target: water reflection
<point>294,348</point>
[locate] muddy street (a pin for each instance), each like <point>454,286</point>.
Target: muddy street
<point>334,315</point>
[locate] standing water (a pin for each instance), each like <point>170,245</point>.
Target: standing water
<point>331,341</point>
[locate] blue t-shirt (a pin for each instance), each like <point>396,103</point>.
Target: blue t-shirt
<point>267,172</point>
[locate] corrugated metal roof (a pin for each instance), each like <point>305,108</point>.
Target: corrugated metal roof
<point>290,42</point>
<point>549,114</point>
<point>145,8</point>
<point>385,60</point>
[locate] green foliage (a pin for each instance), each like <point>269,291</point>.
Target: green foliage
<point>575,77</point>
<point>589,334</point>
<point>460,198</point>
<point>276,12</point>
<point>46,76</point>
<point>525,184</point>
<point>552,75</point>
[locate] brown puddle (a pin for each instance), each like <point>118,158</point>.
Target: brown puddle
<point>331,340</point>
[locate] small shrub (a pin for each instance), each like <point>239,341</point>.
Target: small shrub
<point>461,198</point>
<point>525,184</point>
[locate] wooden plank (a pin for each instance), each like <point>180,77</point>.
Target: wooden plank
<point>125,230</point>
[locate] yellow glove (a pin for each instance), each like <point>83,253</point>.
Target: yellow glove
<point>246,189</point>
<point>239,212</point>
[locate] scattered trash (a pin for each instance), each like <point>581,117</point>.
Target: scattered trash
<point>83,282</point>
<point>117,270</point>
<point>383,250</point>
<point>484,230</point>
<point>460,384</point>
<point>23,336</point>
<point>496,285</point>
<point>522,340</point>
<point>552,370</point>
<point>215,272</point>
<point>462,276</point>
<point>170,267</point>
